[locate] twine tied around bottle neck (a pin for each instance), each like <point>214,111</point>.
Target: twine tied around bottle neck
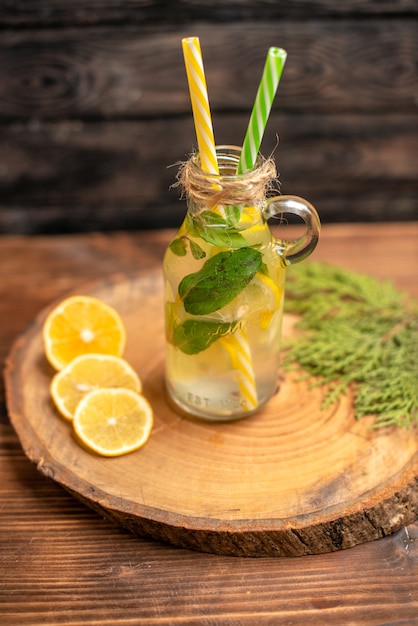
<point>209,190</point>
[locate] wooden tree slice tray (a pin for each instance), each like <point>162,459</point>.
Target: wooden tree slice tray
<point>291,480</point>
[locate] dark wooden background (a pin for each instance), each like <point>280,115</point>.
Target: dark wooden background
<point>94,106</point>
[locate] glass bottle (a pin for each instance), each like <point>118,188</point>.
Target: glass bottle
<point>224,277</point>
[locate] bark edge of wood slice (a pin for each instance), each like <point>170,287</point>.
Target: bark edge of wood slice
<point>290,481</point>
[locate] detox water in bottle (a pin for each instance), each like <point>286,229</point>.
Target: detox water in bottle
<point>224,279</point>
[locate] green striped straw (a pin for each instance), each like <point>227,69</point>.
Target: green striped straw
<point>276,58</point>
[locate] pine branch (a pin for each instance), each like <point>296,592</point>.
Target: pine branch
<point>356,331</point>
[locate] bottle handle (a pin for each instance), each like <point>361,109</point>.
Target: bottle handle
<point>295,250</point>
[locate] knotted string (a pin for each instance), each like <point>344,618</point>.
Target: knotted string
<point>209,190</point>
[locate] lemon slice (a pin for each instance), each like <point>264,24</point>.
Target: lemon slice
<point>270,286</point>
<point>86,373</point>
<point>82,325</point>
<point>113,422</point>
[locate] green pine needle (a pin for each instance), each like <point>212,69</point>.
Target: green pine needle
<point>355,331</point>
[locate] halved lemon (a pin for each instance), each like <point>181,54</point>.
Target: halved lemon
<point>82,325</point>
<point>113,422</point>
<point>86,373</point>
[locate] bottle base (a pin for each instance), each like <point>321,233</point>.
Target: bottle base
<point>198,407</point>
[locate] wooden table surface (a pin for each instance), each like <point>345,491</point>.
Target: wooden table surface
<point>60,563</point>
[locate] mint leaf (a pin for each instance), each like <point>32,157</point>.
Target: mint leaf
<point>192,337</point>
<point>219,281</point>
<point>178,246</point>
<point>196,250</point>
<point>216,230</point>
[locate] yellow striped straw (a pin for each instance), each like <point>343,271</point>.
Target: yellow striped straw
<point>239,352</point>
<point>200,104</point>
